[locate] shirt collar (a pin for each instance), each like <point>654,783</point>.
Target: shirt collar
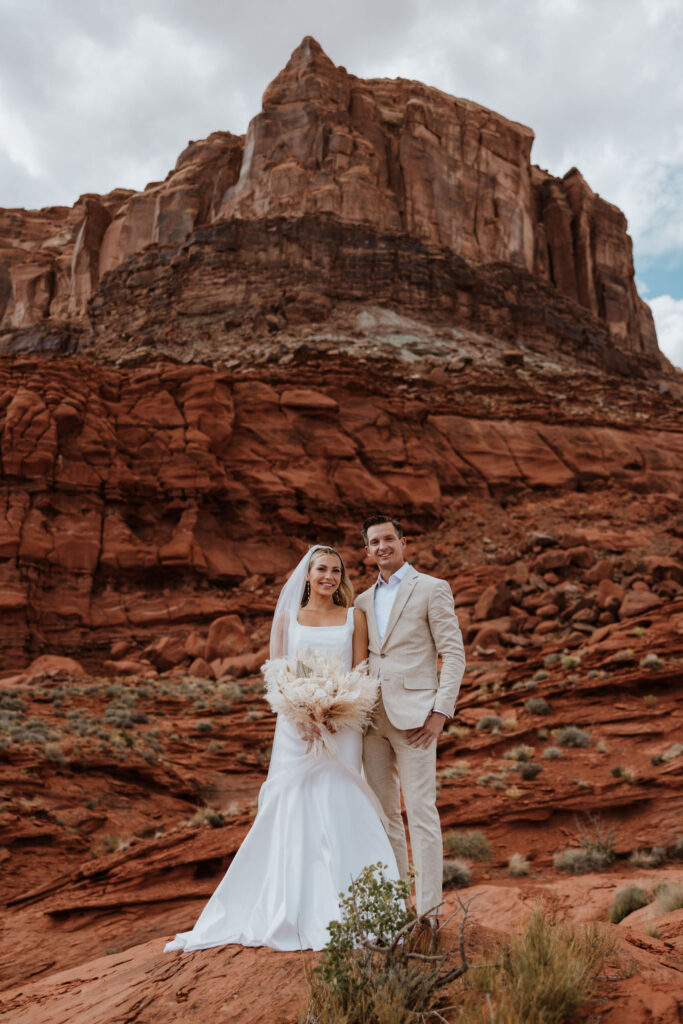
<point>398,576</point>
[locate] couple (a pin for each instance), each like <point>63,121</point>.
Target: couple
<point>320,822</point>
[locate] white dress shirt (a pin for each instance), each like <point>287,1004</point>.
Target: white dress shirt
<point>385,595</point>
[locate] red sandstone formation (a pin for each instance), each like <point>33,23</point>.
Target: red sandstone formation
<point>373,300</point>
<point>343,188</point>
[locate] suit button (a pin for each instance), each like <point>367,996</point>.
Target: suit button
<point>382,655</point>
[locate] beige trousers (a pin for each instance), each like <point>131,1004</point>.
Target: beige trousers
<point>392,766</point>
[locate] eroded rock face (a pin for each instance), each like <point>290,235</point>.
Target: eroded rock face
<point>134,501</point>
<point>413,196</point>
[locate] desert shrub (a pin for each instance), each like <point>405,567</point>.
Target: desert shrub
<point>654,859</point>
<point>572,736</point>
<point>204,726</point>
<point>529,771</point>
<point>455,771</point>
<point>677,849</point>
<point>518,865</point>
<point>537,706</point>
<point>233,691</point>
<point>625,902</point>
<point>552,753</point>
<point>619,771</point>
<point>111,842</point>
<point>489,722</point>
<point>521,753</point>
<point>568,661</point>
<point>253,715</point>
<point>10,702</point>
<point>675,750</point>
<point>471,844</point>
<point>669,896</point>
<point>578,861</point>
<point>492,779</point>
<point>53,752</point>
<point>456,874</point>
<point>540,674</point>
<point>513,792</point>
<point>208,816</point>
<point>542,976</point>
<point>651,661</point>
<point>369,971</point>
<point>596,850</point>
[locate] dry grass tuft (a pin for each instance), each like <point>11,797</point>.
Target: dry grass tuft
<point>473,844</point>
<point>542,976</point>
<point>625,902</point>
<point>521,753</point>
<point>456,874</point>
<point>654,859</point>
<point>518,865</point>
<point>669,896</point>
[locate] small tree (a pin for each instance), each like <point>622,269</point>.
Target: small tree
<point>375,958</point>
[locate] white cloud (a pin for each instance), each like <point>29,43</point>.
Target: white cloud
<point>668,314</point>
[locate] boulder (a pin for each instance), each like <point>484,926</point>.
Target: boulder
<point>52,665</point>
<point>227,636</point>
<point>638,602</point>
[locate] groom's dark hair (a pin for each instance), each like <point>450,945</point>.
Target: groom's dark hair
<point>377,520</point>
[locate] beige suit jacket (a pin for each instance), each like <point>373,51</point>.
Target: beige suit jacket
<point>422,626</point>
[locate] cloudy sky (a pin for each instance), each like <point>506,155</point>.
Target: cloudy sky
<point>102,93</point>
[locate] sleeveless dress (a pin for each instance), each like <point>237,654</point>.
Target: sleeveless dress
<point>318,825</point>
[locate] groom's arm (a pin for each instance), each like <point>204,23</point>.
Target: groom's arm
<point>443,623</point>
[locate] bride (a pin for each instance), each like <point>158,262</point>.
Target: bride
<point>318,823</point>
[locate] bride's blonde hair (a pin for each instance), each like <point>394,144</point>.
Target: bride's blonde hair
<point>343,595</point>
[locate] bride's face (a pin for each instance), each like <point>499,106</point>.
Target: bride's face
<point>325,575</point>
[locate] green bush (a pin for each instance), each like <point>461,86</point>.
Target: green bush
<point>370,971</point>
<point>530,770</point>
<point>626,901</point>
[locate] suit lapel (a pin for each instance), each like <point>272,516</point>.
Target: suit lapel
<point>404,591</point>
<point>373,632</point>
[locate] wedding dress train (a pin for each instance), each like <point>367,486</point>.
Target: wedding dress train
<point>318,825</point>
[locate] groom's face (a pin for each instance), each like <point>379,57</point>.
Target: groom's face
<point>386,548</point>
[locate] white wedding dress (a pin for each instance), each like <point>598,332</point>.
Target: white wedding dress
<point>318,825</point>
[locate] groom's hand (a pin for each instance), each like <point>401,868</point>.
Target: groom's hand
<point>427,734</point>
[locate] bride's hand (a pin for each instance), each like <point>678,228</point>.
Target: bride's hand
<point>309,732</point>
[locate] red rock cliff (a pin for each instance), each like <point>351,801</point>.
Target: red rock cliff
<point>384,187</point>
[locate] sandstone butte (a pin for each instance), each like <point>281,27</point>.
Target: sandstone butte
<point>373,299</point>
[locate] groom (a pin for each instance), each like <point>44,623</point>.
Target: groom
<point>411,622</point>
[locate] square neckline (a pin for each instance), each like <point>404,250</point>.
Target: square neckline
<point>342,625</point>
